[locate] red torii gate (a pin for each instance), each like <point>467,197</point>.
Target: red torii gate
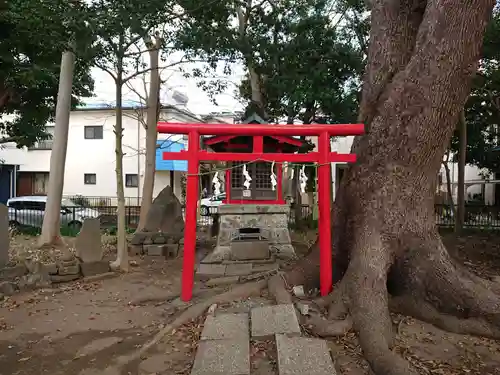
<point>323,157</point>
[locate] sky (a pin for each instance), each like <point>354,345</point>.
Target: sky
<point>199,102</point>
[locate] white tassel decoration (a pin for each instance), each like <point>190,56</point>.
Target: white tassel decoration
<point>246,184</point>
<point>273,178</point>
<point>303,179</point>
<point>216,183</point>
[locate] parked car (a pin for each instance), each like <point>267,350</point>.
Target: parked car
<point>208,205</point>
<point>30,210</point>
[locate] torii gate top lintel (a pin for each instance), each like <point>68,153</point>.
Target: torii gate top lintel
<point>323,156</point>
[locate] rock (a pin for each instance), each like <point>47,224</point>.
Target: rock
<point>135,250</point>
<point>98,345</point>
<point>298,290</point>
<point>73,269</point>
<point>51,268</point>
<point>94,268</point>
<point>148,241</point>
<point>165,215</point>
<point>303,308</point>
<point>13,272</point>
<point>4,235</point>
<point>155,250</point>
<point>38,275</point>
<point>171,251</point>
<point>139,237</point>
<point>63,278</point>
<point>7,288</point>
<point>159,238</point>
<point>88,242</point>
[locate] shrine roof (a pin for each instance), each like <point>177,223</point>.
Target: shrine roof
<point>243,143</point>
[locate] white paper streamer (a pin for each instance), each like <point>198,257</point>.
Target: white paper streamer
<point>216,183</point>
<point>273,177</point>
<point>303,179</point>
<point>246,184</point>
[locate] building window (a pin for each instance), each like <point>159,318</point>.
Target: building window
<point>131,180</point>
<point>47,143</point>
<point>89,179</point>
<point>93,132</point>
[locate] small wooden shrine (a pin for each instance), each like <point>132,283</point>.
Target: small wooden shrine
<point>261,190</point>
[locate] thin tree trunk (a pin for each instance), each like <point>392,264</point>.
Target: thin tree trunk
<point>151,134</point>
<point>460,216</point>
<point>51,234</point>
<point>448,184</point>
<point>387,251</point>
<point>121,261</point>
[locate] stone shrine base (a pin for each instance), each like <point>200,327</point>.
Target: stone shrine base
<point>246,231</point>
<point>251,241</point>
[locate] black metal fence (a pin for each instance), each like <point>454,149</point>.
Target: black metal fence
<point>77,208</point>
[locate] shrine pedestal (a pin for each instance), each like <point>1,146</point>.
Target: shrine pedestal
<point>247,231</point>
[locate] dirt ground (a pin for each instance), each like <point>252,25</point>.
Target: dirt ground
<point>80,328</point>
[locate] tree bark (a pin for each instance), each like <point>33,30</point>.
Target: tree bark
<point>460,216</point>
<point>151,133</point>
<point>51,233</point>
<point>121,261</point>
<point>386,248</point>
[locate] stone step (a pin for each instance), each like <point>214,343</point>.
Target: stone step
<point>224,347</point>
<point>301,355</point>
<point>268,321</point>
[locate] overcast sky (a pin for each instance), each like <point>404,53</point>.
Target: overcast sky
<point>199,102</point>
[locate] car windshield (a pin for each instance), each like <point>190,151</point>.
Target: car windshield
<point>69,203</point>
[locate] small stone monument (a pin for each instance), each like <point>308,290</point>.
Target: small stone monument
<point>88,242</point>
<point>4,235</point>
<point>89,249</point>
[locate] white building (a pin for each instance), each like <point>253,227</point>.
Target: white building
<point>90,160</point>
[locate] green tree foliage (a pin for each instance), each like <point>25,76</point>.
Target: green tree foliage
<point>33,35</point>
<point>306,53</point>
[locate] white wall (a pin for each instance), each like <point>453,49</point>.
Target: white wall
<point>98,155</point>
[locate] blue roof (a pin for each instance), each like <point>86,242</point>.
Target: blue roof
<point>169,165</point>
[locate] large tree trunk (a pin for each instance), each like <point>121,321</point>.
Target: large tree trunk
<point>121,261</point>
<point>51,234</point>
<point>151,134</point>
<point>421,58</point>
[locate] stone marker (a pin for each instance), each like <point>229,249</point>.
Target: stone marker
<point>155,250</point>
<point>225,326</point>
<point>301,355</point>
<point>270,320</point>
<point>88,243</point>
<point>4,235</point>
<point>222,357</point>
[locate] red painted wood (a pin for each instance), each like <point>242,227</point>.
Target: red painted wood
<point>311,157</point>
<point>261,129</point>
<point>324,207</point>
<point>190,220</point>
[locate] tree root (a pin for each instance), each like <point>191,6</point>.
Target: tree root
<point>327,328</point>
<point>167,297</point>
<point>426,312</point>
<point>194,311</point>
<point>278,290</point>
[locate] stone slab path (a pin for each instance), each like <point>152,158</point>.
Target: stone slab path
<point>224,348</point>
